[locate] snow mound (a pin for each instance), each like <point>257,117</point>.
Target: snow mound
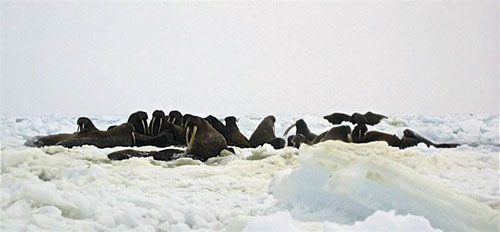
<point>344,183</point>
<point>379,221</point>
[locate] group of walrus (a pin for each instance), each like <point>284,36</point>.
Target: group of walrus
<point>204,138</point>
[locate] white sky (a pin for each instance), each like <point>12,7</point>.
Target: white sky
<point>249,58</point>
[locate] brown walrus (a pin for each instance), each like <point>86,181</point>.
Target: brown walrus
<point>84,125</point>
<point>121,135</point>
<point>233,135</point>
<point>264,133</point>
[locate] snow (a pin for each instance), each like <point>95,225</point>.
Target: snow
<point>331,186</point>
<point>349,182</point>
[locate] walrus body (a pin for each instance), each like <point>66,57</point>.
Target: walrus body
<point>413,135</point>
<point>202,139</point>
<point>216,124</point>
<point>49,140</point>
<point>85,125</point>
<point>341,133</point>
<point>233,135</point>
<point>119,136</point>
<point>163,139</point>
<point>165,155</point>
<point>368,118</point>
<point>392,140</point>
<point>264,132</point>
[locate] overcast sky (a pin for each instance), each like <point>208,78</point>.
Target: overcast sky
<point>83,58</point>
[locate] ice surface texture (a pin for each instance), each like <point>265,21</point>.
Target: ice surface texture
<point>330,186</point>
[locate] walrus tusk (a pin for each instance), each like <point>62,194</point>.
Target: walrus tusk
<point>78,129</point>
<point>152,125</point>
<point>187,136</point>
<point>133,139</point>
<point>144,127</point>
<point>173,121</point>
<point>349,138</point>
<point>159,127</point>
<point>83,126</point>
<point>288,129</point>
<point>195,129</point>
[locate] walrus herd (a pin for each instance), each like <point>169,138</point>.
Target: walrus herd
<point>204,138</point>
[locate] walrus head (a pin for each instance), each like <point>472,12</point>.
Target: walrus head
<point>231,121</point>
<point>192,124</point>
<point>175,117</point>
<point>297,140</point>
<point>85,125</point>
<point>301,127</point>
<point>139,122</point>
<point>156,122</point>
<point>358,133</point>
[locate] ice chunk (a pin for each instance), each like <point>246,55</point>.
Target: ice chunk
<point>344,184</point>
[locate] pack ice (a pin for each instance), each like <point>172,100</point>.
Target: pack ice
<point>331,186</point>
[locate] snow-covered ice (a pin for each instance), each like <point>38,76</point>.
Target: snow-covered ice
<point>331,186</point>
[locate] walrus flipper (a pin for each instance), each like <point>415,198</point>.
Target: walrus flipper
<point>446,145</point>
<point>338,118</point>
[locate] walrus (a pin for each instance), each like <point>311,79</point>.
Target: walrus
<point>358,133</point>
<point>203,142</point>
<point>175,117</point>
<point>121,135</point>
<point>373,119</point>
<point>302,128</point>
<point>368,118</point>
<point>48,140</point>
<point>338,118</point>
<point>178,132</point>
<point>413,135</point>
<point>202,139</point>
<point>84,125</point>
<point>233,135</point>
<point>342,133</point>
<point>139,122</point>
<point>289,141</point>
<point>264,133</point>
<point>296,140</point>
<point>156,122</point>
<point>216,124</point>
<point>162,131</point>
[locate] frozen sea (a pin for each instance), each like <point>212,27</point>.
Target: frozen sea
<point>331,186</point>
